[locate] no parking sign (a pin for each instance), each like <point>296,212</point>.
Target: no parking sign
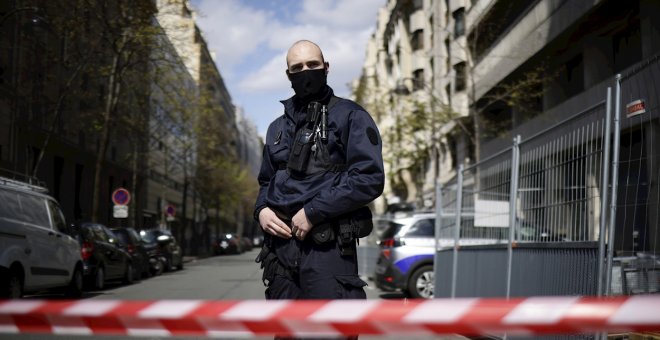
<point>121,197</point>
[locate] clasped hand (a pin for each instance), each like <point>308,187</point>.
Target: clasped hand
<point>271,224</point>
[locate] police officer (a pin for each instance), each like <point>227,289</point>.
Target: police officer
<point>322,164</point>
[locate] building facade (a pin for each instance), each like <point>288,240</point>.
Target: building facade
<point>156,110</point>
<point>226,141</point>
<point>452,81</point>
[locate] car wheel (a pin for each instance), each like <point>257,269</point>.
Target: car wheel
<point>421,283</point>
<point>128,276</point>
<point>159,267</point>
<point>99,279</point>
<point>13,287</point>
<point>75,287</point>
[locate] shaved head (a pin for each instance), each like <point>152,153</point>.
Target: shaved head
<point>303,48</point>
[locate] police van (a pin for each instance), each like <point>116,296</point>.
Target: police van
<point>36,251</point>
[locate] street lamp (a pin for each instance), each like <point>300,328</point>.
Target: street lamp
<point>13,138</point>
<point>20,9</point>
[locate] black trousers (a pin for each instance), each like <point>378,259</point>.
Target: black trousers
<point>322,273</point>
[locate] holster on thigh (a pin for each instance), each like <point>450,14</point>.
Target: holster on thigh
<point>271,265</point>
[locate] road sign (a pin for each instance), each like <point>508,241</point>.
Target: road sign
<point>170,211</point>
<point>120,211</point>
<point>121,196</point>
<point>636,107</point>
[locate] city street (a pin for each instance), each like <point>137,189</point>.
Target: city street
<point>228,277</point>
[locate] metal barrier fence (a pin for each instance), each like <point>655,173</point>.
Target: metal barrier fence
<point>571,210</point>
<point>552,181</point>
<point>635,230</point>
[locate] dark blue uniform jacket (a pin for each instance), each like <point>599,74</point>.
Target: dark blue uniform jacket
<point>353,139</point>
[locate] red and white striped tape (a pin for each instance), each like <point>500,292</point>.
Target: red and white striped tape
<point>524,316</point>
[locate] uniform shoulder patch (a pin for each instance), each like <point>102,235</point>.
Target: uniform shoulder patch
<point>373,136</point>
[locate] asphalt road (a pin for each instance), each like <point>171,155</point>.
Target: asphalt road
<point>228,277</point>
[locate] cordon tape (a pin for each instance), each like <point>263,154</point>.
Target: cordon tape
<point>315,318</point>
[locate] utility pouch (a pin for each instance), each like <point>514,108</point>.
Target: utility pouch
<point>302,149</point>
<point>323,233</point>
<point>362,221</point>
<point>346,238</point>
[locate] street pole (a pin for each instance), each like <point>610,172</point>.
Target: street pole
<point>13,130</point>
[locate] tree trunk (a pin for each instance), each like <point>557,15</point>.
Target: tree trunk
<point>58,113</point>
<point>184,206</point>
<point>113,90</point>
<point>134,186</point>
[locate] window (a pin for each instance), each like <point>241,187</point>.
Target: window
<point>459,80</point>
<point>34,210</point>
<point>459,22</point>
<point>56,217</point>
<point>425,227</point>
<point>448,51</point>
<point>110,236</point>
<point>417,41</point>
<point>448,92</point>
<point>418,80</point>
<point>10,208</point>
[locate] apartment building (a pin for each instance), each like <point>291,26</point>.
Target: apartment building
<point>451,82</point>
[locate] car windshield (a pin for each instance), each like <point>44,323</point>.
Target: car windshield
<point>123,237</point>
<point>150,236</point>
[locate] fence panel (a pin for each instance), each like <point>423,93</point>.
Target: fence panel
<point>556,223</point>
<point>560,189</point>
<point>485,205</point>
<point>636,242</point>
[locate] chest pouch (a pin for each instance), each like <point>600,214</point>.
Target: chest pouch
<point>304,143</point>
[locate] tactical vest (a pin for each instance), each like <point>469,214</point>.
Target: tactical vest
<point>309,153</point>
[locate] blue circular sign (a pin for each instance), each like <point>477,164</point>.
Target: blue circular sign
<point>121,196</point>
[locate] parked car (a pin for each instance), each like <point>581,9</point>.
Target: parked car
<point>226,244</point>
<point>135,246</point>
<point>246,243</point>
<point>103,254</point>
<point>406,254</point>
<point>258,241</point>
<point>166,244</point>
<point>36,251</point>
<point>157,259</point>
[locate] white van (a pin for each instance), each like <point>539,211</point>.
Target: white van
<point>36,253</point>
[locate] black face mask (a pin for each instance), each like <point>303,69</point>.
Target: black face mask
<point>308,83</point>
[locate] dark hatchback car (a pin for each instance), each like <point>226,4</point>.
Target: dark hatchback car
<point>227,244</point>
<point>135,246</point>
<point>167,246</point>
<point>103,255</point>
